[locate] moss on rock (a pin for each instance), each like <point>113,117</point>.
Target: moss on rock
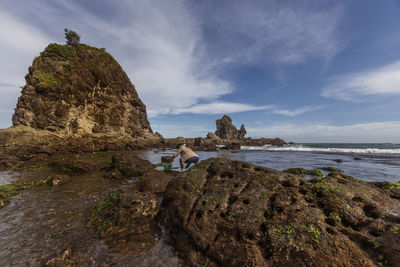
<point>301,171</point>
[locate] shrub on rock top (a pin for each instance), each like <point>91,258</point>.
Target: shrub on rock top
<point>72,37</point>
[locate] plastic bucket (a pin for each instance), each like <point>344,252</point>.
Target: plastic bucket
<point>167,167</point>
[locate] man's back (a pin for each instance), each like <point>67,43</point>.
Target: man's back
<point>186,153</point>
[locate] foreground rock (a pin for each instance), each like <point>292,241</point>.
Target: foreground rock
<point>231,213</point>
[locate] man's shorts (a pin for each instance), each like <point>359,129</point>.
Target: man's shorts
<point>192,160</point>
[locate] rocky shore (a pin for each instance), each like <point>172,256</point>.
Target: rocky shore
<point>79,122</point>
<point>232,213</point>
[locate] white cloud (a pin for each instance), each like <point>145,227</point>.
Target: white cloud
<point>296,112</point>
<point>214,108</point>
<point>19,44</point>
<point>382,81</point>
<point>375,132</point>
<point>231,107</point>
<point>248,32</point>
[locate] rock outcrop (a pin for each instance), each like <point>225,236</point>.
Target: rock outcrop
<point>80,90</point>
<point>226,130</point>
<point>232,213</point>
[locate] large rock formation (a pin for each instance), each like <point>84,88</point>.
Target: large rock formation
<point>226,130</point>
<point>232,213</point>
<point>80,90</point>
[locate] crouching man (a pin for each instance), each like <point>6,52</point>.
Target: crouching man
<point>187,156</point>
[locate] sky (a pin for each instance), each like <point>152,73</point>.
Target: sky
<point>305,71</point>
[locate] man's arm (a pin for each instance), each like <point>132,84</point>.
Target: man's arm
<point>177,153</point>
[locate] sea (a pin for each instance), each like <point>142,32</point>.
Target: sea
<point>368,162</point>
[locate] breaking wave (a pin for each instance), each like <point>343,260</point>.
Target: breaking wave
<point>301,148</point>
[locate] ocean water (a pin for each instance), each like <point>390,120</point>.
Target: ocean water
<point>376,162</point>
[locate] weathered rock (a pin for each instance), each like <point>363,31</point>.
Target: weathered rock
<point>231,213</point>
<point>212,136</point>
<point>71,167</point>
<point>125,221</point>
<point>154,182</point>
<point>263,142</point>
<point>113,175</point>
<point>167,159</point>
<point>130,165</point>
<point>242,132</point>
<point>80,90</point>
<point>226,130</point>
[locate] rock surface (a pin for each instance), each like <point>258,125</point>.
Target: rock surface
<point>80,90</point>
<point>226,130</point>
<point>231,213</point>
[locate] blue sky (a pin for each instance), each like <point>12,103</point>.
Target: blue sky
<point>306,71</point>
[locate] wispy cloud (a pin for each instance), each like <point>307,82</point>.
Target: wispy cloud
<point>296,112</point>
<point>265,32</point>
<point>19,44</point>
<point>232,107</point>
<point>362,132</point>
<point>382,81</point>
<point>214,108</point>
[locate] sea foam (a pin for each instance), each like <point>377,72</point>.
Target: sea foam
<point>300,148</point>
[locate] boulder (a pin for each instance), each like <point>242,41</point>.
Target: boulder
<point>167,159</point>
<point>212,136</point>
<point>130,165</point>
<point>125,221</point>
<point>232,213</point>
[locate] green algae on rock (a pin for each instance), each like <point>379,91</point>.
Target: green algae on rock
<point>301,171</point>
<point>330,169</point>
<point>9,190</point>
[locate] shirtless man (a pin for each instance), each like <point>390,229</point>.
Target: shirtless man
<point>187,156</point>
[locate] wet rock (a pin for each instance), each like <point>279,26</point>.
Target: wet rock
<point>225,213</point>
<point>125,221</point>
<point>130,165</point>
<point>71,167</point>
<point>63,260</point>
<point>301,171</point>
<point>167,159</point>
<point>330,169</point>
<point>54,180</point>
<point>263,142</point>
<point>7,191</point>
<point>154,182</point>
<point>113,175</point>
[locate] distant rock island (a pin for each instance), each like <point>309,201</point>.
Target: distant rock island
<point>226,130</point>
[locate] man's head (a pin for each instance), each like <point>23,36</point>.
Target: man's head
<point>179,146</point>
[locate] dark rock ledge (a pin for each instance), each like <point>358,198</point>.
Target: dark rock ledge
<point>232,213</point>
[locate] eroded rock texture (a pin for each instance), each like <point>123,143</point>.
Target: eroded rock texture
<point>80,90</point>
<point>231,213</point>
<point>226,130</point>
